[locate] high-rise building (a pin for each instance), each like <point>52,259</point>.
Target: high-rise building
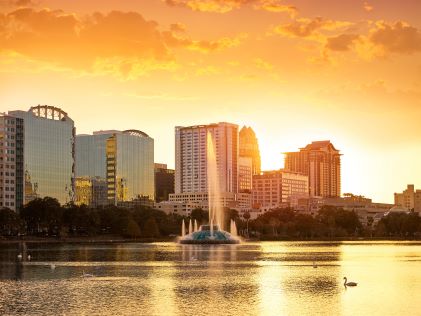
<point>48,153</point>
<point>321,162</point>
<point>11,162</point>
<point>191,158</point>
<point>164,182</point>
<point>273,189</point>
<point>409,199</point>
<point>245,174</point>
<point>249,147</point>
<point>124,160</point>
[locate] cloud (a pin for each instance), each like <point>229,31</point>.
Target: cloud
<point>123,43</point>
<point>342,42</point>
<point>178,27</point>
<point>380,39</point>
<point>399,37</point>
<point>181,40</point>
<point>306,28</point>
<point>224,6</point>
<point>368,7</point>
<point>17,3</point>
<point>162,96</point>
<point>262,64</point>
<point>68,40</point>
<point>277,6</point>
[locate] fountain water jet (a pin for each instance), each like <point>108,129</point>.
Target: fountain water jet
<point>190,226</point>
<point>183,229</point>
<point>212,233</point>
<point>233,228</point>
<point>195,225</point>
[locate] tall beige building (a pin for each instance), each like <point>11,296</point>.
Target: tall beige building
<point>11,162</point>
<point>191,158</point>
<point>409,199</point>
<point>276,188</point>
<point>249,147</point>
<point>245,174</point>
<point>321,162</point>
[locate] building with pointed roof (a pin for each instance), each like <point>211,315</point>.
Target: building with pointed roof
<point>321,162</point>
<point>249,147</point>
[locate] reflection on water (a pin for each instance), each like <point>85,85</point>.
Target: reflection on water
<point>270,278</point>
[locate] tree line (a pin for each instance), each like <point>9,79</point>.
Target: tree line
<point>47,218</point>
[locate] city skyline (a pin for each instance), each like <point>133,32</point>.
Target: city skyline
<point>295,71</point>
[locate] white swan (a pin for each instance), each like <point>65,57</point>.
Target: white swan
<point>346,283</point>
<point>87,275</point>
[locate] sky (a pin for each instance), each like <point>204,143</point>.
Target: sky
<point>296,71</point>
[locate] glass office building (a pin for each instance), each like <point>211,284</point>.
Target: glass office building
<point>48,149</point>
<point>124,159</point>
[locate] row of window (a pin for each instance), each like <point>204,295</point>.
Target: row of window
<point>7,204</point>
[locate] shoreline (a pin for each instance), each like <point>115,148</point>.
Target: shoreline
<point>116,239</point>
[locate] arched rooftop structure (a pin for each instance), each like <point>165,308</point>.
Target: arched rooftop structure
<point>135,132</point>
<point>49,112</point>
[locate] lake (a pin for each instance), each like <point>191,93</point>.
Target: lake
<point>262,278</point>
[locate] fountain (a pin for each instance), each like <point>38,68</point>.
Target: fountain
<point>212,233</point>
<point>183,229</point>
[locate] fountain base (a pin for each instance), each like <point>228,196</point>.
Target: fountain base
<point>206,236</point>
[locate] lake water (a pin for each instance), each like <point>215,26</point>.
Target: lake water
<point>266,278</point>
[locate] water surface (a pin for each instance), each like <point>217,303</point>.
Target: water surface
<point>267,278</point>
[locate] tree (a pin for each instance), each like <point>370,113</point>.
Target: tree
<point>10,222</point>
<point>247,216</point>
<point>43,215</point>
<point>150,228</point>
<point>133,229</point>
<point>199,215</point>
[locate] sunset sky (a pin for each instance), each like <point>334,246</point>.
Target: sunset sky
<point>293,70</point>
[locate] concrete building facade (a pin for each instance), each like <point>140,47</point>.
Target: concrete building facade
<point>321,162</point>
<point>273,189</point>
<point>191,157</point>
<point>11,162</point>
<point>409,199</point>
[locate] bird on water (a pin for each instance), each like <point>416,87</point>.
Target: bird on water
<point>346,283</point>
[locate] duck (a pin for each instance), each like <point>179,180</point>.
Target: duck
<point>346,283</point>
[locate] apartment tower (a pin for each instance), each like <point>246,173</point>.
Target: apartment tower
<point>321,162</point>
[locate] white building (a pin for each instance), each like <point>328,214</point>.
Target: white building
<point>191,159</point>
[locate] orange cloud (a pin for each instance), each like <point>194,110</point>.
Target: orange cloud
<point>123,43</point>
<point>341,42</point>
<point>309,27</point>
<point>380,41</point>
<point>396,38</point>
<point>179,40</point>
<point>368,7</point>
<point>224,6</point>
<point>178,27</point>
